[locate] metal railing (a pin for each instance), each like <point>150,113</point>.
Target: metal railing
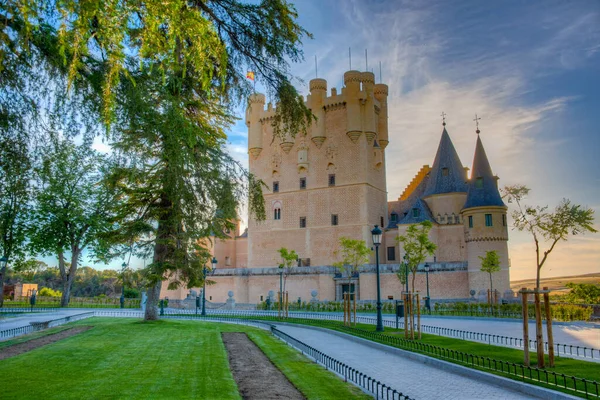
<point>372,385</point>
<point>23,330</point>
<point>552,379</point>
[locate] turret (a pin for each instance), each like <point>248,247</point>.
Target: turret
<point>316,100</point>
<point>256,105</point>
<point>380,92</point>
<point>446,188</point>
<point>370,123</point>
<point>484,219</point>
<point>352,92</point>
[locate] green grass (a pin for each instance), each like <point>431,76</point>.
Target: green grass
<point>129,359</point>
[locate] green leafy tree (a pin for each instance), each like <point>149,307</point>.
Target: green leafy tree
<point>490,264</point>
<point>352,253</point>
<point>14,184</point>
<point>546,226</point>
<point>587,293</point>
<point>29,268</point>
<point>417,246</point>
<point>289,259</point>
<point>73,207</point>
<point>163,77</point>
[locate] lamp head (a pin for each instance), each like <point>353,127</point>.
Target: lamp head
<point>376,234</point>
<point>214,263</point>
<point>427,267</point>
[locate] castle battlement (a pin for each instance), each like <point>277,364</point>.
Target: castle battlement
<point>364,101</point>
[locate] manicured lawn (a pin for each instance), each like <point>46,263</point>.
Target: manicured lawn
<point>128,358</point>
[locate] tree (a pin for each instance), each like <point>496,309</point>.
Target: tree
<point>14,198</point>
<point>587,293</point>
<point>73,207</point>
<point>164,77</point>
<point>551,227</point>
<point>417,246</point>
<point>289,258</point>
<point>490,264</point>
<point>29,268</point>
<point>353,253</point>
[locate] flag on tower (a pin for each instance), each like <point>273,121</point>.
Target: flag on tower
<point>250,75</point>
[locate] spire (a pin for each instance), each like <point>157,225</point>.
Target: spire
<point>483,187</point>
<point>447,173</point>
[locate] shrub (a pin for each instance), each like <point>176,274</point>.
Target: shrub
<point>47,292</point>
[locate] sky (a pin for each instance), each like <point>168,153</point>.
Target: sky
<point>529,69</point>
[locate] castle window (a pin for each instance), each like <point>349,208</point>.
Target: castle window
<point>503,219</point>
<point>445,171</point>
<point>275,187</point>
<point>210,298</point>
<point>394,217</point>
<point>488,219</point>
<point>479,183</point>
<point>391,253</point>
<point>331,179</point>
<point>302,222</point>
<point>470,221</point>
<point>416,212</point>
<point>334,219</point>
<point>381,219</point>
<point>277,213</point>
<point>302,183</point>
<point>261,298</point>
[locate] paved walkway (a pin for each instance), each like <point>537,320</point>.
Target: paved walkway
<point>413,378</point>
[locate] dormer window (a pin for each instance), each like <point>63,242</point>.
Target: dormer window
<point>394,217</point>
<point>416,212</point>
<point>479,183</point>
<point>445,172</point>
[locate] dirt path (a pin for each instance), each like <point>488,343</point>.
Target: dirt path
<point>33,344</point>
<point>256,376</point>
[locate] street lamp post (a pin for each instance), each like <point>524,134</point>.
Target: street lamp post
<point>123,266</point>
<point>427,301</point>
<point>376,234</point>
<point>214,266</point>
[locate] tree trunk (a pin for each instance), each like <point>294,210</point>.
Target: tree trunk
<point>162,253</point>
<point>2,272</point>
<point>152,302</point>
<point>70,277</point>
<point>414,275</point>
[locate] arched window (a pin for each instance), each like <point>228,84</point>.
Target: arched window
<point>277,213</point>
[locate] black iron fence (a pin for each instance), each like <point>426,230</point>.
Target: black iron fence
<point>372,385</point>
<point>552,379</point>
<point>23,330</point>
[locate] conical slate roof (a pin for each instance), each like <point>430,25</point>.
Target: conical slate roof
<point>447,174</point>
<point>423,213</point>
<point>483,188</point>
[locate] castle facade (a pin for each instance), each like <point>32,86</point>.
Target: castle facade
<point>331,183</point>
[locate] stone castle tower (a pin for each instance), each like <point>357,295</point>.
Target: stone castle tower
<point>484,220</point>
<point>325,184</point>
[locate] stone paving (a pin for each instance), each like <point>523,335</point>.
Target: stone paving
<point>413,378</point>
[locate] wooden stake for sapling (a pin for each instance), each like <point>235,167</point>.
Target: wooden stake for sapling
<point>549,328</point>
<point>525,328</point>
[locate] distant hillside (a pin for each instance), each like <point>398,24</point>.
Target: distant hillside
<point>556,284</point>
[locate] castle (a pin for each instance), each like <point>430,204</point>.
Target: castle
<point>331,183</point>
